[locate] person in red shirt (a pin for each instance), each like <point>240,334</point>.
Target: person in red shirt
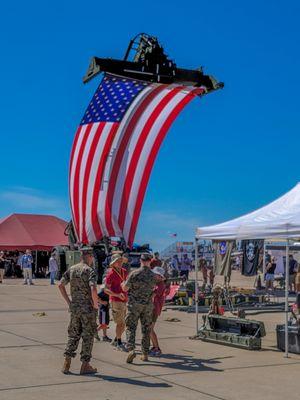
<point>156,261</point>
<point>160,292</point>
<point>118,298</point>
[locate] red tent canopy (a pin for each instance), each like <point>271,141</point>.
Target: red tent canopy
<point>31,231</point>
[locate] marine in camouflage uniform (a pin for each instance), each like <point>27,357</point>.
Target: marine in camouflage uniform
<point>140,285</point>
<point>83,280</point>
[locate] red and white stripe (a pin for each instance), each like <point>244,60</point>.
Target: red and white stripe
<point>111,163</point>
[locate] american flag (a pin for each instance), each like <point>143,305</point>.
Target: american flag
<point>114,150</point>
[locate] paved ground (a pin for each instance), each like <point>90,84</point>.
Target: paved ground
<point>31,354</point>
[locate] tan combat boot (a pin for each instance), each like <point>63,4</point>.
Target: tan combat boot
<point>131,356</point>
<point>66,366</point>
<point>144,357</point>
<point>87,369</point>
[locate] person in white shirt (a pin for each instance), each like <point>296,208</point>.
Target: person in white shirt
<point>174,266</point>
<point>53,268</point>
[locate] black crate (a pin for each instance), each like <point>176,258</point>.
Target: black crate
<point>293,338</point>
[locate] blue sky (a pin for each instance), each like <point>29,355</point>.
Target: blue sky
<point>226,154</point>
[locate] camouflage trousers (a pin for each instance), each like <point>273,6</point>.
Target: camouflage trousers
<point>136,312</point>
<point>82,325</point>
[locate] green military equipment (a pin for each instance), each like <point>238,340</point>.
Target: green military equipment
<point>231,331</point>
<point>72,257</point>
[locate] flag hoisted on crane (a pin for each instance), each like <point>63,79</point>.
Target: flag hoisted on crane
<point>114,150</point>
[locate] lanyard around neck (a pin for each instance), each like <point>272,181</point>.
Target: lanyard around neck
<point>121,274</point>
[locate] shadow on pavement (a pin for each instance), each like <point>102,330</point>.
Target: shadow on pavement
<point>136,382</point>
<point>186,363</point>
<point>129,381</point>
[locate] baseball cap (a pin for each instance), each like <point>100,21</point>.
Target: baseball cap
<point>114,258</point>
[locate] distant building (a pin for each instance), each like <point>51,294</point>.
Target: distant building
<point>178,248</point>
<point>204,250</point>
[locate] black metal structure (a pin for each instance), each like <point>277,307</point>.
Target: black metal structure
<point>146,60</point>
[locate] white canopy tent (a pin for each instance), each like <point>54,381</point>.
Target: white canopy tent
<point>279,220</point>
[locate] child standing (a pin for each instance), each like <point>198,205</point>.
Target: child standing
<point>160,292</point>
<point>103,300</point>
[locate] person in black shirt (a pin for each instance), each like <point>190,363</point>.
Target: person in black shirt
<point>2,266</point>
<point>292,271</point>
<point>103,300</point>
<point>270,275</point>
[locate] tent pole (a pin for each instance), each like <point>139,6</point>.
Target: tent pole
<point>264,259</point>
<point>196,285</point>
<point>287,299</point>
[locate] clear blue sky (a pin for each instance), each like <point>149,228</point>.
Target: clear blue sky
<point>226,154</point>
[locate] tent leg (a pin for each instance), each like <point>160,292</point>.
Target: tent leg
<point>264,259</point>
<point>196,286</point>
<point>287,299</point>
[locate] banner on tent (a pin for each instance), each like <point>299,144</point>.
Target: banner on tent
<point>252,256</point>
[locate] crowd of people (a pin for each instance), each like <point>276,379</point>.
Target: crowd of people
<point>294,273</point>
<point>130,297</point>
<point>10,264</point>
<point>180,267</point>
<point>18,264</point>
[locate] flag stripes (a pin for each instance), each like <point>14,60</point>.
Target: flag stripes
<point>112,157</point>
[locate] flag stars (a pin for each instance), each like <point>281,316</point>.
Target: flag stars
<point>112,99</point>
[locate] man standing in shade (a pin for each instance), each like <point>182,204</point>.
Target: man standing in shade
<point>139,285</point>
<point>53,268</point>
<point>83,309</point>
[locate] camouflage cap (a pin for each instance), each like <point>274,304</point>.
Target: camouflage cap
<point>159,271</point>
<point>146,257</point>
<point>86,250</point>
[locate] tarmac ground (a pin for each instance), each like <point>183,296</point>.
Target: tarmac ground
<point>33,332</point>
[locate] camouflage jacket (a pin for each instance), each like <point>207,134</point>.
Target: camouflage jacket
<point>141,283</point>
<point>81,277</point>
